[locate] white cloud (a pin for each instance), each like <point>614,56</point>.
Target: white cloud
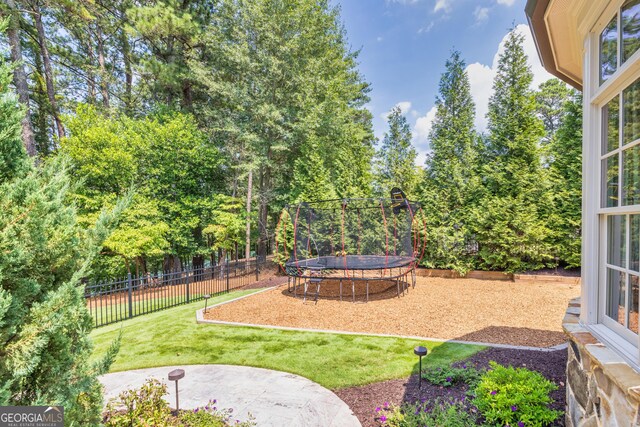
<point>421,134</point>
<point>481,83</point>
<point>405,108</point>
<point>427,28</point>
<point>481,14</point>
<point>444,5</point>
<point>481,75</point>
<point>506,2</point>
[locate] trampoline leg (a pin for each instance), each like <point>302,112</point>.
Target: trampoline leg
<point>295,287</point>
<point>289,284</point>
<point>340,290</point>
<point>398,288</point>
<point>317,291</point>
<point>306,286</point>
<point>353,291</point>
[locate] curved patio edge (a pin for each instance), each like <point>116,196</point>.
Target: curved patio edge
<point>273,398</point>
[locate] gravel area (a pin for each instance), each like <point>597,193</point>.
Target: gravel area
<point>364,399</point>
<point>527,314</point>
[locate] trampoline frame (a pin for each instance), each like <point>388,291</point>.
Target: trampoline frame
<point>311,272</point>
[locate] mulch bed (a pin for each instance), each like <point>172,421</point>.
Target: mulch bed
<point>364,399</point>
<point>488,311</point>
<point>271,280</point>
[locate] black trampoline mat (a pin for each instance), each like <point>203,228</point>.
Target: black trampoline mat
<point>352,262</point>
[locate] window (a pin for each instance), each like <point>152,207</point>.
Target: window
<point>612,52</point>
<point>620,176</point>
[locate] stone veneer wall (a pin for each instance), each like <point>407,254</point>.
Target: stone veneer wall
<point>602,389</point>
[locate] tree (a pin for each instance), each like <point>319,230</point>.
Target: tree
<point>450,182</point>
<point>44,322</point>
<point>550,98</point>
<point>395,161</point>
<point>565,151</point>
<point>509,225</point>
<point>173,166</point>
<point>10,10</point>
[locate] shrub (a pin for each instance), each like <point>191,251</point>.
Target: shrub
<point>140,407</point>
<point>515,397</point>
<point>145,407</point>
<point>430,413</point>
<point>211,416</point>
<point>450,375</point>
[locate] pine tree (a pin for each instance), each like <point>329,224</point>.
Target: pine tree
<point>509,227</point>
<point>44,322</point>
<point>450,182</point>
<point>565,152</point>
<point>395,161</point>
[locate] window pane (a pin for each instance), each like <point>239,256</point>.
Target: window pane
<point>631,176</point>
<point>611,122</point>
<point>617,240</point>
<point>634,253</point>
<point>631,106</point>
<point>610,181</point>
<point>634,284</point>
<point>609,50</point>
<point>616,296</point>
<point>630,28</point>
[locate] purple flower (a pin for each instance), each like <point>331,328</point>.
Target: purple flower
<point>514,408</point>
<point>493,392</point>
<point>448,379</point>
<point>520,424</point>
<point>383,418</point>
<point>386,405</point>
<point>378,409</point>
<point>464,366</point>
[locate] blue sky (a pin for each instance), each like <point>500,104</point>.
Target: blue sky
<point>404,45</point>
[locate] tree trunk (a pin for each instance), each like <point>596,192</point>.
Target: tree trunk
<point>104,85</point>
<point>20,77</point>
<point>263,214</point>
<point>128,73</point>
<point>91,77</point>
<point>48,71</point>
<point>247,250</point>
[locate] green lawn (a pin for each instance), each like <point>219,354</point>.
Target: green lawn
<point>172,337</point>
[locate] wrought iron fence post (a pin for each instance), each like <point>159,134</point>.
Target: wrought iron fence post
<point>228,268</point>
<point>257,269</point>
<point>130,289</point>
<point>188,280</point>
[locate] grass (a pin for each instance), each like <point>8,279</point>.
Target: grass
<point>172,337</point>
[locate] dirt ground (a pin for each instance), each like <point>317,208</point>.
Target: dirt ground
<point>463,309</point>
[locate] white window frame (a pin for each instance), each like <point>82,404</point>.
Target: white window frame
<point>595,97</point>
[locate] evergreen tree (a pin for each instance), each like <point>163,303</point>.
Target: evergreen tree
<point>551,98</point>
<point>509,227</point>
<point>450,182</point>
<point>44,321</point>
<point>395,161</point>
<point>565,152</point>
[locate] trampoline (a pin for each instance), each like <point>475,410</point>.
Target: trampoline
<point>351,242</point>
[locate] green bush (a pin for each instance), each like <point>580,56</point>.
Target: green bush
<point>211,416</point>
<point>140,407</point>
<point>515,397</point>
<point>430,413</point>
<point>145,407</point>
<point>449,375</point>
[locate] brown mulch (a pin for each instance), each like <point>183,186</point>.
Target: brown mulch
<point>267,282</point>
<point>364,399</point>
<point>464,309</point>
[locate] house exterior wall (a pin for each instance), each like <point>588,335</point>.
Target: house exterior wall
<point>602,389</point>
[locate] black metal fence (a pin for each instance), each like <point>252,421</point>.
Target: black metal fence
<point>118,300</point>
